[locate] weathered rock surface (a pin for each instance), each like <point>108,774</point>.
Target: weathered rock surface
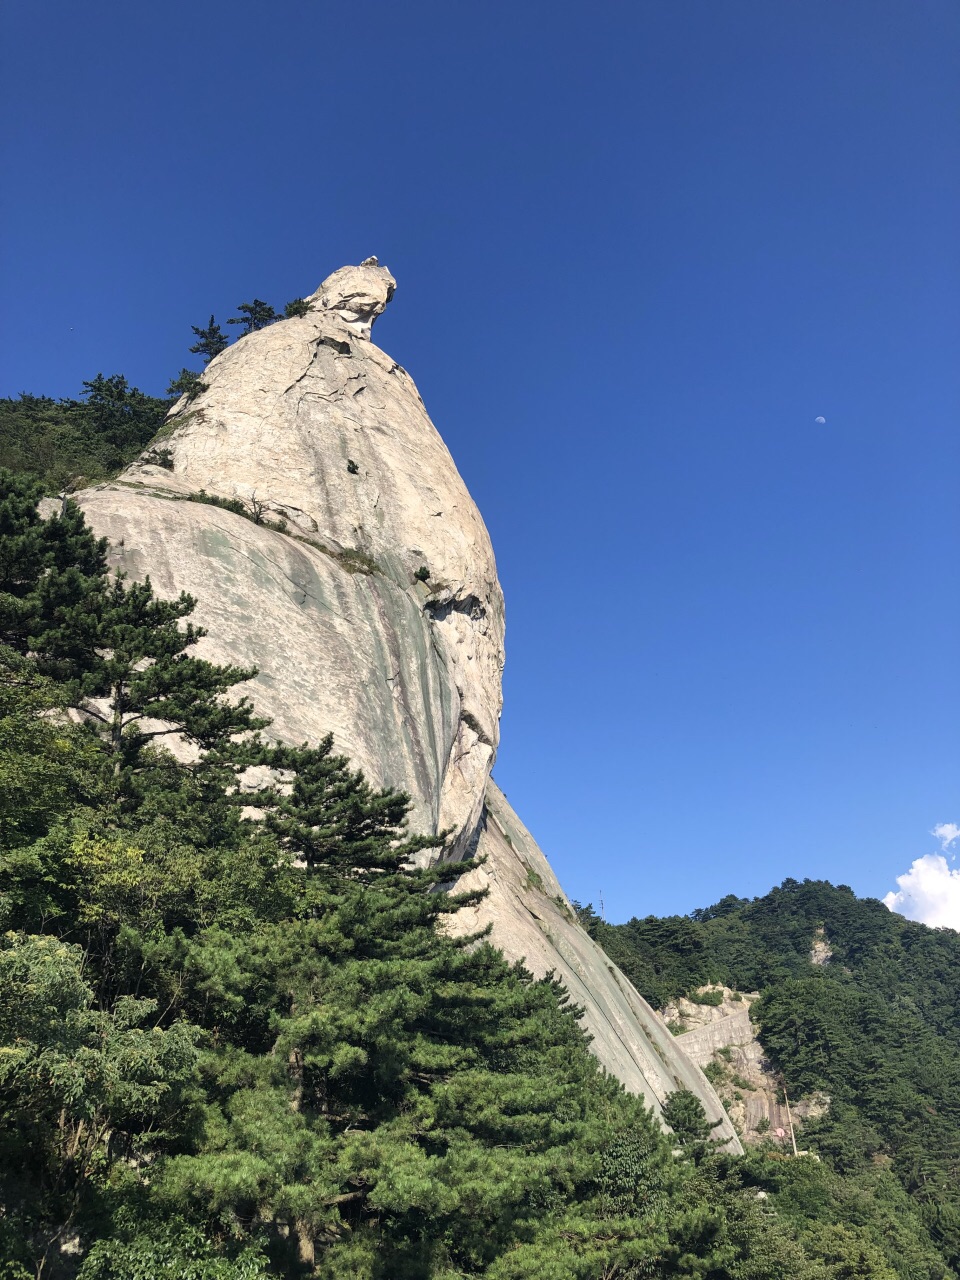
<point>355,571</point>
<point>309,425</point>
<point>533,921</point>
<point>821,951</point>
<point>723,1038</point>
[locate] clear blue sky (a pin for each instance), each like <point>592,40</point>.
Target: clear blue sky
<point>640,247</point>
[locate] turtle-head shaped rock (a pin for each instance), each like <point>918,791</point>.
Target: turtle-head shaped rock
<point>357,294</point>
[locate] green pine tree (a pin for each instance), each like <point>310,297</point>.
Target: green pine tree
<point>210,341</point>
<point>332,819</point>
<point>683,1111</point>
<point>48,567</point>
<point>43,759</point>
<point>254,315</point>
<point>186,383</point>
<point>120,415</point>
<point>296,307</point>
<point>134,670</point>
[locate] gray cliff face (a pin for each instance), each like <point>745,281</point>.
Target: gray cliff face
<point>350,500</point>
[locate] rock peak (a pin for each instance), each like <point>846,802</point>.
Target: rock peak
<point>357,294</point>
<point>346,562</point>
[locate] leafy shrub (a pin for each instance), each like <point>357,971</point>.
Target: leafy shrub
<point>712,996</point>
<point>715,1072</point>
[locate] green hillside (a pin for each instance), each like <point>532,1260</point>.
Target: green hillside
<point>877,1027</point>
<point>234,1048</point>
<point>69,442</point>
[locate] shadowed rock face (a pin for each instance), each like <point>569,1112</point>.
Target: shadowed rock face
<point>359,577</point>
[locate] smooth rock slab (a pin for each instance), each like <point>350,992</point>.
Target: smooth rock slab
<point>533,921</point>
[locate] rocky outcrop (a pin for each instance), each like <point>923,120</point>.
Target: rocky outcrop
<point>821,951</point>
<point>722,1039</point>
<point>344,494</point>
<point>306,500</point>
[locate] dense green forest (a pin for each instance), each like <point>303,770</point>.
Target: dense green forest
<point>67,443</point>
<point>877,1027</point>
<point>235,1046</point>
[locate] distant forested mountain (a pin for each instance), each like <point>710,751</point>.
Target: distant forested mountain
<point>874,1023</point>
<point>71,442</point>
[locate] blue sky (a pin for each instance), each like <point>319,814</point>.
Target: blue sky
<point>640,248</point>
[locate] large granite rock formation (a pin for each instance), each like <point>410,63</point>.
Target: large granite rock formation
<point>353,568</point>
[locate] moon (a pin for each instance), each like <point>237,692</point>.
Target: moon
<point>820,421</point>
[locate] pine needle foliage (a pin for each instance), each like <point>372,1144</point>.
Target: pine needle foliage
<point>210,341</point>
<point>131,670</point>
<point>296,307</point>
<point>187,383</point>
<point>47,566</point>
<point>236,1039</point>
<point>253,316</point>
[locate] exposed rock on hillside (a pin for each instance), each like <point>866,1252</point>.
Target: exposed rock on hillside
<point>821,951</point>
<point>306,500</point>
<point>405,673</point>
<point>721,1038</point>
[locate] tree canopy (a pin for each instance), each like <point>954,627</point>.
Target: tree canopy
<point>234,1039</point>
<point>876,1027</point>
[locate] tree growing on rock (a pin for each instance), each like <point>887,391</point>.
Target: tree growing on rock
<point>296,307</point>
<point>253,316</point>
<point>137,683</point>
<point>210,341</point>
<point>186,383</point>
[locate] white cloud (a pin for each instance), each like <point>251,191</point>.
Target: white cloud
<point>929,891</point>
<point>946,833</point>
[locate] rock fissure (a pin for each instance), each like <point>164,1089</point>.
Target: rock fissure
<point>339,345</point>
<point>297,586</point>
